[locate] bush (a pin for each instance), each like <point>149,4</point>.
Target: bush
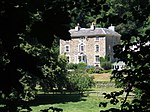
<point>80,81</point>
<point>106,65</point>
<point>72,66</point>
<point>81,66</point>
<point>90,69</point>
<point>106,71</point>
<point>93,69</point>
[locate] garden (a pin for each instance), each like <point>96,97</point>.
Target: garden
<point>33,75</point>
<point>75,102</point>
<point>86,100</point>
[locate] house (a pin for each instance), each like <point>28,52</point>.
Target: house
<point>89,44</point>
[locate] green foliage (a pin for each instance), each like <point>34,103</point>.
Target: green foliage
<point>81,66</point>
<point>28,31</point>
<point>73,103</point>
<point>104,59</point>
<point>105,63</point>
<point>72,66</point>
<point>90,69</point>
<point>93,69</point>
<point>131,18</point>
<point>106,71</point>
<point>79,81</point>
<point>29,28</point>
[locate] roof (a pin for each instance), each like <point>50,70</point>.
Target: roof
<point>94,32</point>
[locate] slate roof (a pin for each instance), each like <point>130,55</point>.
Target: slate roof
<point>90,32</point>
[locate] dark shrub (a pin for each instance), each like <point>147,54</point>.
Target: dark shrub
<point>81,66</point>
<point>72,66</point>
<point>106,65</point>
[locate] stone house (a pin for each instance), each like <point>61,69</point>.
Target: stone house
<point>89,44</point>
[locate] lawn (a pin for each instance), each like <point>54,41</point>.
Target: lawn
<point>76,102</point>
<point>84,104</point>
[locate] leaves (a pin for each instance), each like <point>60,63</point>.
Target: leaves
<point>29,29</point>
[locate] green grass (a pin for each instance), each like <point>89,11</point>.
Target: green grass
<point>86,104</point>
<point>74,102</point>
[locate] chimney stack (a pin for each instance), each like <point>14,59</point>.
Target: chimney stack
<point>77,28</point>
<point>92,26</point>
<point>111,28</point>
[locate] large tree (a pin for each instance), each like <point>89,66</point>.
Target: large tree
<point>132,20</point>
<point>28,29</point>
<point>39,21</point>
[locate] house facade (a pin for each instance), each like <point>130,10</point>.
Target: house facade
<point>89,44</point>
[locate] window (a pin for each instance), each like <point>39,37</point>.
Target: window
<point>97,48</point>
<point>81,47</point>
<point>82,58</point>
<point>68,58</point>
<point>67,48</point>
<point>97,58</point>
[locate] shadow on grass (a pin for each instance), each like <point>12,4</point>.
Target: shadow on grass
<point>42,99</point>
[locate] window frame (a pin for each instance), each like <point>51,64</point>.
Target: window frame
<point>81,47</point>
<point>97,59</point>
<point>67,49</point>
<point>97,48</point>
<point>68,58</point>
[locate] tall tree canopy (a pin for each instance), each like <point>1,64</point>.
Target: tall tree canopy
<point>132,19</point>
<point>38,22</point>
<point>28,28</point>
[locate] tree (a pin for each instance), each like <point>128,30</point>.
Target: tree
<point>132,19</point>
<point>38,22</point>
<point>79,81</point>
<point>105,63</point>
<point>28,29</point>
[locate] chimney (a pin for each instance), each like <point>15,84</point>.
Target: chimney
<point>111,28</point>
<point>92,26</point>
<point>77,28</point>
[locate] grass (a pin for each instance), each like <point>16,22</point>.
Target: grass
<point>85,104</point>
<point>75,102</point>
